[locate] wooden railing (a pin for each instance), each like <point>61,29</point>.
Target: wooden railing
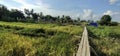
<point>84,48</point>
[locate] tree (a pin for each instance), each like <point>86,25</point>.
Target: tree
<point>90,21</point>
<point>62,19</point>
<point>41,16</point>
<point>68,19</point>
<point>78,19</point>
<point>28,12</point>
<point>58,19</point>
<point>48,18</point>
<point>35,16</point>
<point>105,20</point>
<point>16,14</point>
<point>4,12</point>
<point>83,21</point>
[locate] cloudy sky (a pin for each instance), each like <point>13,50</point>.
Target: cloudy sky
<point>85,9</point>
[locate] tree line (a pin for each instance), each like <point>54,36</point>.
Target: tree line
<point>15,15</point>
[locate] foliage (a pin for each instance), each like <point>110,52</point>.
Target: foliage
<point>15,15</point>
<point>105,20</point>
<point>57,40</point>
<point>28,12</point>
<point>114,24</point>
<point>71,29</point>
<point>105,40</point>
<point>3,11</point>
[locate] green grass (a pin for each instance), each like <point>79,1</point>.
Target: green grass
<point>20,39</point>
<point>105,40</point>
<point>72,29</point>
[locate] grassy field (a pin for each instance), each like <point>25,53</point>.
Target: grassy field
<point>22,39</point>
<point>105,40</point>
<point>29,39</point>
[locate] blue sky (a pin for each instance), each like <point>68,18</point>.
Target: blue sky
<point>85,9</point>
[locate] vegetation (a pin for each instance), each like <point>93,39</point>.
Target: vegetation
<point>105,40</point>
<point>27,33</point>
<point>114,24</point>
<point>21,39</point>
<point>106,20</point>
<point>15,15</point>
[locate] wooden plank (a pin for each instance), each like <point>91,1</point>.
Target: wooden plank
<point>84,48</point>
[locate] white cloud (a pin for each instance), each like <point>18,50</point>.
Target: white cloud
<point>115,15</point>
<point>87,14</point>
<point>3,3</point>
<point>109,12</point>
<point>39,6</point>
<point>112,1</point>
<point>21,2</point>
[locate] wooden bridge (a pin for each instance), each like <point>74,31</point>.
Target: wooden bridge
<point>84,48</point>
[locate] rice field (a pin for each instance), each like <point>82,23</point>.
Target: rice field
<point>30,39</point>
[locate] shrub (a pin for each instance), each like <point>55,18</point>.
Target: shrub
<point>114,24</point>
<point>8,19</point>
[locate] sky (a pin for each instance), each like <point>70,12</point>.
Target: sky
<point>85,9</point>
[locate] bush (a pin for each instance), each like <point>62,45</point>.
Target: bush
<point>114,24</point>
<point>8,19</point>
<point>105,40</point>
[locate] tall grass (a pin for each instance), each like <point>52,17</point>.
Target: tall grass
<point>72,29</point>
<point>27,39</point>
<point>105,40</point>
